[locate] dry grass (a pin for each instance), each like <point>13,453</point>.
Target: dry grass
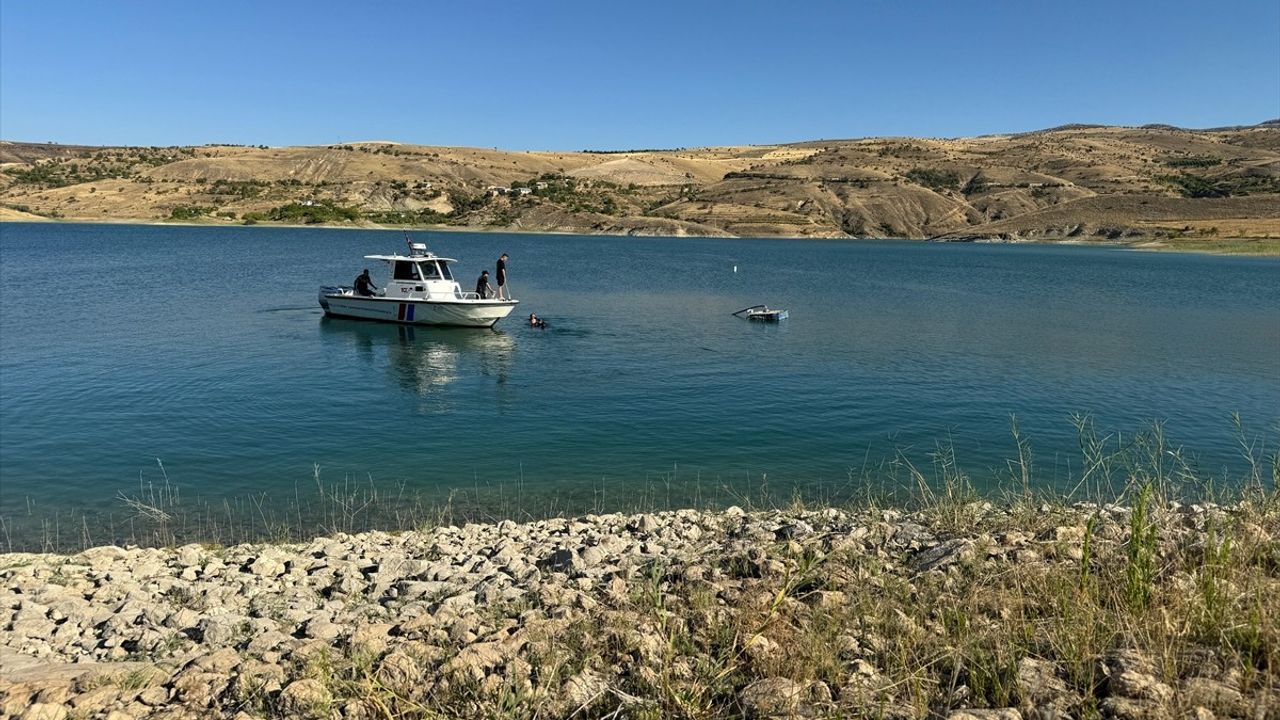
<point>1227,228</point>
<point>1037,605</point>
<point>1262,247</point>
<point>869,636</point>
<point>1026,601</point>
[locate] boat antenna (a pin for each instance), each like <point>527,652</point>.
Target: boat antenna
<point>410,243</point>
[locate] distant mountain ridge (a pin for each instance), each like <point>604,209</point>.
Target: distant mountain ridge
<point>1074,181</point>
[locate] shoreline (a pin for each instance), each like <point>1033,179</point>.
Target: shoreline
<point>957,609</point>
<point>1267,247</point>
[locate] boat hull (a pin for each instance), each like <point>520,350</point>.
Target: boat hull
<point>445,313</point>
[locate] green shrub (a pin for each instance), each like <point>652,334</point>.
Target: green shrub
<point>1192,186</point>
<point>239,188</point>
<point>934,179</point>
<point>188,212</point>
<point>976,185</point>
<point>313,214</point>
<point>406,217</point>
<point>1192,162</point>
<point>464,203</point>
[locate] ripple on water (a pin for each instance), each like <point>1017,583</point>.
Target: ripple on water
<point>643,375</point>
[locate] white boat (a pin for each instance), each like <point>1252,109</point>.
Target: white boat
<point>419,290</point>
<point>763,313</point>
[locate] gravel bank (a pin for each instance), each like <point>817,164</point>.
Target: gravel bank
<point>971,611</point>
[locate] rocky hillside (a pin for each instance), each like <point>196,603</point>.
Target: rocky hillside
<point>1085,182</point>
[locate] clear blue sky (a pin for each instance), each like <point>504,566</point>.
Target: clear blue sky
<point>612,75</point>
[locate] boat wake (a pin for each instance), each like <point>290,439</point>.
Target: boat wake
<point>309,308</point>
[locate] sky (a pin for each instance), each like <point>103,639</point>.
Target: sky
<point>548,75</point>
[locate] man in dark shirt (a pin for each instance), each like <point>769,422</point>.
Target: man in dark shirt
<point>503,294</point>
<point>363,284</point>
<point>483,288</point>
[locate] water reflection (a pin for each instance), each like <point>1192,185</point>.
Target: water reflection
<point>425,361</point>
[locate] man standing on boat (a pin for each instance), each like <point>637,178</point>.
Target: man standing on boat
<point>503,293</point>
<point>363,284</point>
<point>483,288</point>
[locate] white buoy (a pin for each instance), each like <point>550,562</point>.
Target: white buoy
<point>735,268</point>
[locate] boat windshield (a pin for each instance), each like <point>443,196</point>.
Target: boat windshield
<point>444,271</point>
<point>406,271</point>
<point>430,271</point>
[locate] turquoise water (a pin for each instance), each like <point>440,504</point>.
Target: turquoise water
<point>204,348</point>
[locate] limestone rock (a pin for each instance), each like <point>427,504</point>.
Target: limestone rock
<point>95,701</point>
<point>44,711</point>
<point>1038,682</point>
<point>772,696</point>
<point>1140,686</point>
<point>324,630</point>
<point>558,561</point>
<point>399,673</point>
<point>200,689</point>
<point>476,660</point>
<point>258,680</point>
<point>583,689</point>
<point>996,714</point>
<point>1216,696</point>
<point>1123,708</point>
<point>644,523</point>
<point>220,661</point>
<point>948,553</point>
<point>791,531</point>
<point>189,555</point>
<point>267,566</point>
<point>370,638</point>
<point>306,698</point>
<point>220,630</point>
<point>154,696</point>
<point>591,555</point>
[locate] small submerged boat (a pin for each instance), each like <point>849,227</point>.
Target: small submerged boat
<point>420,290</point>
<point>762,313</point>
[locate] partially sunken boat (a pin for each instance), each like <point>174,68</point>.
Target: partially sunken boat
<point>420,290</point>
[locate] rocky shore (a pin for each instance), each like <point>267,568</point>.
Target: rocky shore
<point>964,611</point>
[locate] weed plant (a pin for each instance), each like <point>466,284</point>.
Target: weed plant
<point>1145,556</point>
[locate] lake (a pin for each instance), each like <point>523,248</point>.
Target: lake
<point>196,360</point>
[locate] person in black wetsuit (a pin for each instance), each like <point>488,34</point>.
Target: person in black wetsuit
<point>503,293</point>
<point>363,284</point>
<point>483,288</point>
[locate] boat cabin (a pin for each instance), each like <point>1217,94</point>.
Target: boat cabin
<point>420,277</point>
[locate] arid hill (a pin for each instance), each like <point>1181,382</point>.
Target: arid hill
<point>1086,182</point>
